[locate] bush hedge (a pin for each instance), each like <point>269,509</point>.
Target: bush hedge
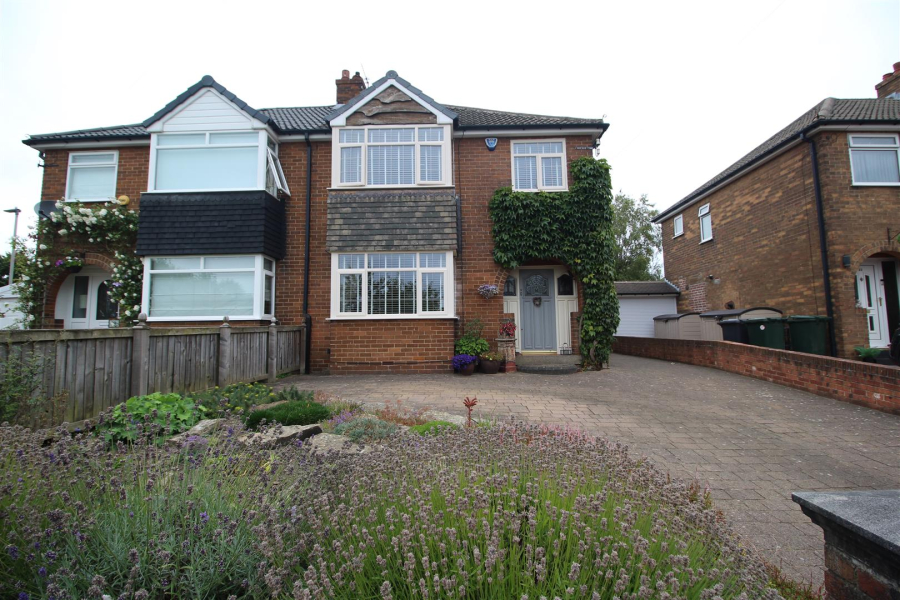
<point>297,412</point>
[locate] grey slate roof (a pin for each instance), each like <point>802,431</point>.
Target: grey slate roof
<point>646,288</point>
<point>308,119</point>
<point>387,220</point>
<point>828,111</point>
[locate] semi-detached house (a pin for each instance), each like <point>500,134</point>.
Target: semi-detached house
<point>367,219</point>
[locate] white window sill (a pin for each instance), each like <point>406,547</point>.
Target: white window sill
<point>886,184</point>
<point>83,200</point>
<point>219,319</point>
<point>391,318</point>
<point>707,241</point>
<point>549,190</point>
<point>206,191</point>
<point>390,187</point>
<point>677,236</point>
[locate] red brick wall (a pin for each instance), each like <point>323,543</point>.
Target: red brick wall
<point>131,178</point>
<point>765,250</point>
<point>394,346</point>
<point>871,385</point>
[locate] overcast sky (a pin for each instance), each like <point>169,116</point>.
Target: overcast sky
<point>687,87</point>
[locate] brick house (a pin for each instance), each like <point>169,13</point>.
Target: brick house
<point>807,222</point>
<point>367,219</point>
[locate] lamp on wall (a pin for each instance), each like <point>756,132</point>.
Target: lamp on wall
<point>845,261</point>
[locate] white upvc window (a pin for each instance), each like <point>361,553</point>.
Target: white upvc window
<point>214,161</point>
<point>539,165</point>
<point>874,159</point>
<point>706,233</point>
<point>678,225</point>
<point>391,156</point>
<point>203,288</point>
<point>92,176</point>
<point>395,285</point>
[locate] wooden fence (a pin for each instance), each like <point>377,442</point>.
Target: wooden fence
<point>99,368</point>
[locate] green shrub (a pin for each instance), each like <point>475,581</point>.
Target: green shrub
<point>152,415</point>
<point>237,398</point>
<point>366,429</point>
<point>298,412</point>
<point>472,342</point>
<point>432,427</point>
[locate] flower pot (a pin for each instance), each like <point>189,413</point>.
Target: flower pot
<point>490,366</point>
<point>75,269</point>
<point>468,369</point>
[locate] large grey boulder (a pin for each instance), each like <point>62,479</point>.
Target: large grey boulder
<point>203,429</point>
<point>280,436</point>
<point>330,442</point>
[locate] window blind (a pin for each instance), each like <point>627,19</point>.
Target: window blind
<point>391,165</point>
<point>430,163</point>
<point>526,173</point>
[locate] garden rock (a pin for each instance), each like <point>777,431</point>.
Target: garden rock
<point>202,429</point>
<point>280,436</point>
<point>330,442</point>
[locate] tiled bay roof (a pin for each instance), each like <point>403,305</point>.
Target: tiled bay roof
<point>828,111</point>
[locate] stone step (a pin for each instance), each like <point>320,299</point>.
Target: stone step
<point>548,364</point>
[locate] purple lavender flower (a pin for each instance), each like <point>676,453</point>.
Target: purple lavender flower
<point>42,572</point>
<point>13,552</point>
<point>204,517</point>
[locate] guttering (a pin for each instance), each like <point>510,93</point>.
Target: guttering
<point>770,154</point>
<point>307,319</point>
<point>823,243</point>
<point>600,125</point>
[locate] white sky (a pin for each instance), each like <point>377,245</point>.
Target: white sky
<point>688,87</point>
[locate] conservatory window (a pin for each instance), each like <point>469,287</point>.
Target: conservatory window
<point>209,287</point>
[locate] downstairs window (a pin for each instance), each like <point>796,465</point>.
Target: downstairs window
<point>392,285</point>
<point>185,288</point>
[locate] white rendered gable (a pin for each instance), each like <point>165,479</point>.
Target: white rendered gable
<point>207,110</point>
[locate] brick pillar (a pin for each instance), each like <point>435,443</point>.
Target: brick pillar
<point>507,347</point>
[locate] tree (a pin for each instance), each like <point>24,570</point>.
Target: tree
<point>638,240</point>
<point>4,265</point>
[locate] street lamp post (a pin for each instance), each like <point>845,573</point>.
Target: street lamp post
<point>12,254</point>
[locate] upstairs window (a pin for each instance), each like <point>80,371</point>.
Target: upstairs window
<point>232,160</point>
<point>392,156</point>
<point>875,159</point>
<point>92,176</point>
<point>678,226</point>
<point>539,166</point>
<point>705,224</point>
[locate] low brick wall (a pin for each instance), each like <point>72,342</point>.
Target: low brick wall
<point>871,385</point>
<point>392,346</point>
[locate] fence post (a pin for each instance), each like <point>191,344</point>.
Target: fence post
<point>140,357</point>
<point>273,350</point>
<point>224,353</point>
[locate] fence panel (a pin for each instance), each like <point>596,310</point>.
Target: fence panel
<point>249,353</point>
<point>291,349</point>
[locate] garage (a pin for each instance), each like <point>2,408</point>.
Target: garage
<point>640,301</point>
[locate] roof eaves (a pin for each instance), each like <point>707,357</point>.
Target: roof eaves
<point>599,125</point>
<point>93,138</point>
<point>208,81</point>
<point>388,76</point>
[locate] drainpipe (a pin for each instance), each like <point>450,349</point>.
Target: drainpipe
<point>823,244</point>
<point>307,319</point>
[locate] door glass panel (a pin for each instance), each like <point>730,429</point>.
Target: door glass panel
<point>80,299</point>
<point>106,308</point>
<point>536,285</point>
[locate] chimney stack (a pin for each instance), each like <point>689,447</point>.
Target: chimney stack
<point>890,83</point>
<point>348,87</point>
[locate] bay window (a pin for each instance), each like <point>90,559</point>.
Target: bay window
<point>208,161</point>
<point>392,285</point>
<point>209,287</point>
<point>391,156</point>
<point>539,165</point>
<point>875,159</point>
<point>92,176</point>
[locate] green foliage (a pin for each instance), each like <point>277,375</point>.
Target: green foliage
<point>4,263</point>
<point>127,286</point>
<point>366,429</point>
<point>237,398</point>
<point>154,414</point>
<point>472,342</point>
<point>492,356</point>
<point>433,427</point>
<point>637,239</point>
<point>575,227</point>
<point>298,412</point>
<point>868,352</point>
<point>20,382</point>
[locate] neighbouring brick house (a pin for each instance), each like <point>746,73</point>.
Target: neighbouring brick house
<point>367,219</point>
<point>753,235</point>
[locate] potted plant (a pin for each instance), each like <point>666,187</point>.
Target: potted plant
<point>488,290</point>
<point>508,330</point>
<point>869,355</point>
<point>464,364</point>
<point>72,264</point>
<point>490,362</point>
<point>471,342</point>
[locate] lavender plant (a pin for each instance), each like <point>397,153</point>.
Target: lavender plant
<point>511,511</point>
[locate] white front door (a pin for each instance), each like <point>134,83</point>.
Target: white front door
<point>870,292</point>
<point>84,301</point>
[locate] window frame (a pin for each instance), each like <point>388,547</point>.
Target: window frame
<point>445,145</point>
<point>538,164</point>
<point>701,214</point>
<point>70,166</point>
<point>267,161</point>
<point>449,311</point>
<point>259,280</point>
<point>851,147</point>
<point>677,223</point>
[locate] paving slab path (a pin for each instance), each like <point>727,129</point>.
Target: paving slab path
<point>751,441</point>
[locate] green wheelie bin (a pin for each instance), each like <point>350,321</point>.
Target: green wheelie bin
<point>767,332</point>
<point>809,334</point>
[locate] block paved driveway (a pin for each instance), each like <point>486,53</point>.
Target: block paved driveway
<point>753,442</point>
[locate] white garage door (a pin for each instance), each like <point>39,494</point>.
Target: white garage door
<point>636,314</point>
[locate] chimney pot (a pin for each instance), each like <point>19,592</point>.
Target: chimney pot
<point>890,82</point>
<point>886,76</point>
<point>345,74</point>
<point>348,88</point>
<point>896,67</point>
